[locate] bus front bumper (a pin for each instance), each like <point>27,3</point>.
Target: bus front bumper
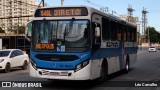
<point>83,74</point>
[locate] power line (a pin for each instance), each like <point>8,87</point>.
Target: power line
<point>93,3</point>
<point>102,8</point>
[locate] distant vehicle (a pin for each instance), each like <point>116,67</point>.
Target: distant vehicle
<point>10,58</point>
<point>152,49</point>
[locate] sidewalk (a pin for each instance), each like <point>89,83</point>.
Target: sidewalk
<point>141,51</point>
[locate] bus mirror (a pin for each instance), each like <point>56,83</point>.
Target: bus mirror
<point>97,32</point>
<point>28,31</point>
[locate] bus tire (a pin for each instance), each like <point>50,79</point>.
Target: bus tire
<point>103,71</point>
<point>126,69</point>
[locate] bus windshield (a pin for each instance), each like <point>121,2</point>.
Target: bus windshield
<point>71,34</point>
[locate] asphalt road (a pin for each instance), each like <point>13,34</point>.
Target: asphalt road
<point>147,68</point>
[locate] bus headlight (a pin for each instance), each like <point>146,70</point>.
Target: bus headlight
<point>81,65</point>
<point>33,65</point>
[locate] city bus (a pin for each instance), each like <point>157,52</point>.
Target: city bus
<point>80,43</point>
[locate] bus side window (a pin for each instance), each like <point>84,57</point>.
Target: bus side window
<point>129,34</point>
<point>119,29</point>
<point>113,30</point>
<point>135,34</point>
<point>105,29</point>
<point>124,33</point>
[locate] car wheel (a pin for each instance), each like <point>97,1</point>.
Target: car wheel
<point>25,65</point>
<point>7,68</point>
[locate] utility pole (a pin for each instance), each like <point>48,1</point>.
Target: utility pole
<point>43,3</point>
<point>144,24</point>
<point>130,13</point>
<point>62,1</point>
<point>113,12</point>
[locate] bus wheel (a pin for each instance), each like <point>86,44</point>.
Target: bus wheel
<point>126,70</point>
<point>103,72</point>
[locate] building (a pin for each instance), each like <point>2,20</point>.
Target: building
<point>16,13</point>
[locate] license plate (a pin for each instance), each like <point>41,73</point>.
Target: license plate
<point>55,73</point>
<point>64,73</point>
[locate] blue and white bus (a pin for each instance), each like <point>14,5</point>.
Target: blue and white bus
<point>80,43</point>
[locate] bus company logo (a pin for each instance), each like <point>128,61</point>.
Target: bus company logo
<point>112,44</point>
<point>6,84</point>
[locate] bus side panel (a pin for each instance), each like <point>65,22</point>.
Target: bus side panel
<point>113,64</point>
<point>95,70</point>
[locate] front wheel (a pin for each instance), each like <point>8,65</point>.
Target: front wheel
<point>25,65</point>
<point>7,68</point>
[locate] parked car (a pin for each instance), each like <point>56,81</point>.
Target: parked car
<point>152,49</point>
<point>11,58</point>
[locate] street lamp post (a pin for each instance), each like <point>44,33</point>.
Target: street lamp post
<point>148,37</point>
<point>62,1</point>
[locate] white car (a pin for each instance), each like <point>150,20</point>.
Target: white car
<point>10,58</point>
<point>152,49</point>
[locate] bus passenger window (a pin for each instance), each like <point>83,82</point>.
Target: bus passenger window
<point>105,29</point>
<point>124,33</point>
<point>135,34</point>
<point>128,34</point>
<point>113,30</point>
<point>119,29</point>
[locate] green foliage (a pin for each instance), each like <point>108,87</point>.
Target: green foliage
<point>19,30</point>
<point>1,30</point>
<point>154,35</point>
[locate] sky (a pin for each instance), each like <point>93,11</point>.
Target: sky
<point>120,6</point>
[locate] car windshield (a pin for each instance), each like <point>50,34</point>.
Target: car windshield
<point>4,53</point>
<point>66,35</point>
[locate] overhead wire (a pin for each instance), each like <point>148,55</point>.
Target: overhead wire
<point>101,6</point>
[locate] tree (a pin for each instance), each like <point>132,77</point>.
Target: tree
<point>154,35</point>
<point>1,30</point>
<point>19,30</point>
